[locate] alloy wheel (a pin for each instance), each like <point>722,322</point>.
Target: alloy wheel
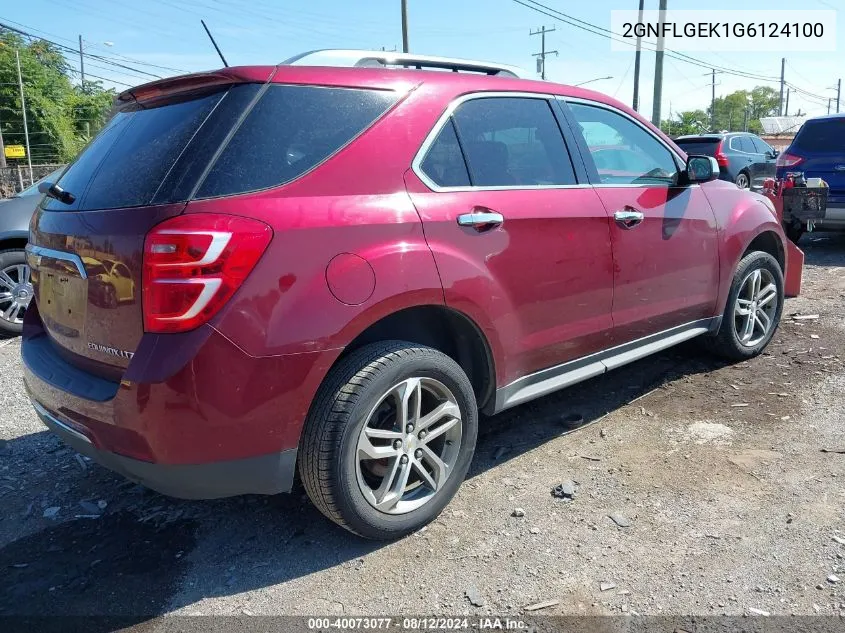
<point>15,292</point>
<point>742,181</point>
<point>408,445</point>
<point>755,307</point>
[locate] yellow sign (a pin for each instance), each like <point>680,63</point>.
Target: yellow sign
<point>15,151</point>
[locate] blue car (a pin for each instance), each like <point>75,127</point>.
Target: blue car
<point>818,150</point>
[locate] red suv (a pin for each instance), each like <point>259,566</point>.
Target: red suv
<point>331,270</point>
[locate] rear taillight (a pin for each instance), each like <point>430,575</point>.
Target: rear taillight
<point>788,160</point>
<point>720,155</point>
<point>193,264</point>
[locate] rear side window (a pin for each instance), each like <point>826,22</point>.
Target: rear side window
<point>125,164</point>
<point>698,147</point>
<point>742,144</point>
<point>826,135</point>
<point>444,163</point>
<point>289,131</point>
<point>513,141</point>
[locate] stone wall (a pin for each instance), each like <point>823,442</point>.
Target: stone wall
<point>12,176</point>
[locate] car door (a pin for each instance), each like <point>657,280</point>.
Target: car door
<point>766,167</point>
<point>521,245</point>
<point>666,262</point>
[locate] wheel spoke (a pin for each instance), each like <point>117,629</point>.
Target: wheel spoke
<point>392,487</point>
<point>441,470</point>
<point>767,295</point>
<point>5,296</point>
<point>763,320</point>
<point>11,312</point>
<point>428,480</point>
<point>368,450</point>
<point>446,409</point>
<point>748,328</point>
<point>6,281</point>
<point>743,307</point>
<point>440,430</point>
<point>756,278</point>
<point>410,401</point>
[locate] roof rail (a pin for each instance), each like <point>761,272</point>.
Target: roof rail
<point>390,59</point>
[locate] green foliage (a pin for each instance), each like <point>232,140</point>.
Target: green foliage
<point>61,116</point>
<point>730,111</point>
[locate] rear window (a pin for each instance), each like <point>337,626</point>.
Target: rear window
<point>698,146</point>
<point>125,164</point>
<point>821,136</point>
<point>291,130</point>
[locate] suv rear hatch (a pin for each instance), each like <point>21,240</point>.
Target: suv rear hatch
<point>103,275</point>
<point>87,256</point>
<point>821,143</point>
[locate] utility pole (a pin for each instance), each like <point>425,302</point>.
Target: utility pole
<point>637,56</point>
<point>713,101</point>
<point>786,108</point>
<point>782,75</point>
<point>23,109</point>
<point>2,148</point>
<point>541,56</point>
<point>745,126</point>
<point>828,104</point>
<point>405,48</point>
<point>838,92</point>
<point>658,69</point>
<point>81,65</point>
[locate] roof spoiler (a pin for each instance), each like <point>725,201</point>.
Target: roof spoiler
<point>197,81</point>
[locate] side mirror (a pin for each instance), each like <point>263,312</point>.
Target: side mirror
<point>774,153</point>
<point>702,169</point>
<point>56,192</point>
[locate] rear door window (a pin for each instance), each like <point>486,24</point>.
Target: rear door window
<point>291,130</point>
<point>822,136</point>
<point>760,146</point>
<point>444,162</point>
<point>513,142</point>
<point>125,164</point>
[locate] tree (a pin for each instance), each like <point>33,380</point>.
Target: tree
<point>60,115</point>
<point>730,110</point>
<point>689,122</point>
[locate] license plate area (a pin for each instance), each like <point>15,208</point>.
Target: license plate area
<point>61,285</point>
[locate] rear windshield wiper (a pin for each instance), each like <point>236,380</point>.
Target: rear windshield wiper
<point>56,192</point>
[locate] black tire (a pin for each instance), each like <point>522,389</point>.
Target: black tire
<point>327,451</point>
<point>9,258</point>
<point>111,296</point>
<point>743,177</point>
<point>794,231</point>
<point>726,342</point>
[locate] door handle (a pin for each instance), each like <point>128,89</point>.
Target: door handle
<point>628,218</point>
<point>481,219</point>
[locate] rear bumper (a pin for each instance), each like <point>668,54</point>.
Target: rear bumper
<point>265,474</point>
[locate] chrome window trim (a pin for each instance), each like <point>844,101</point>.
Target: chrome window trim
<point>680,162</point>
<point>419,157</point>
<point>40,251</point>
<point>739,151</point>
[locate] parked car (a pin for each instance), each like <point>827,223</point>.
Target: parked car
<point>335,268</point>
<point>15,286</point>
<point>744,159</point>
<point>818,150</point>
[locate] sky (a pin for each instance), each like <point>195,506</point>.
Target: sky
<point>159,34</point>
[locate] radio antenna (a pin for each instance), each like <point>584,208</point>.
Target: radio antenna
<point>217,48</point>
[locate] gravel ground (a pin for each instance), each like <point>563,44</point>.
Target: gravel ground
<point>721,480</point>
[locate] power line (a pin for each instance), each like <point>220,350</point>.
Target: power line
<point>75,51</point>
<point>611,35</point>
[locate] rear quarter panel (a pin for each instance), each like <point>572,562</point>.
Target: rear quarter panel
<point>740,217</point>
